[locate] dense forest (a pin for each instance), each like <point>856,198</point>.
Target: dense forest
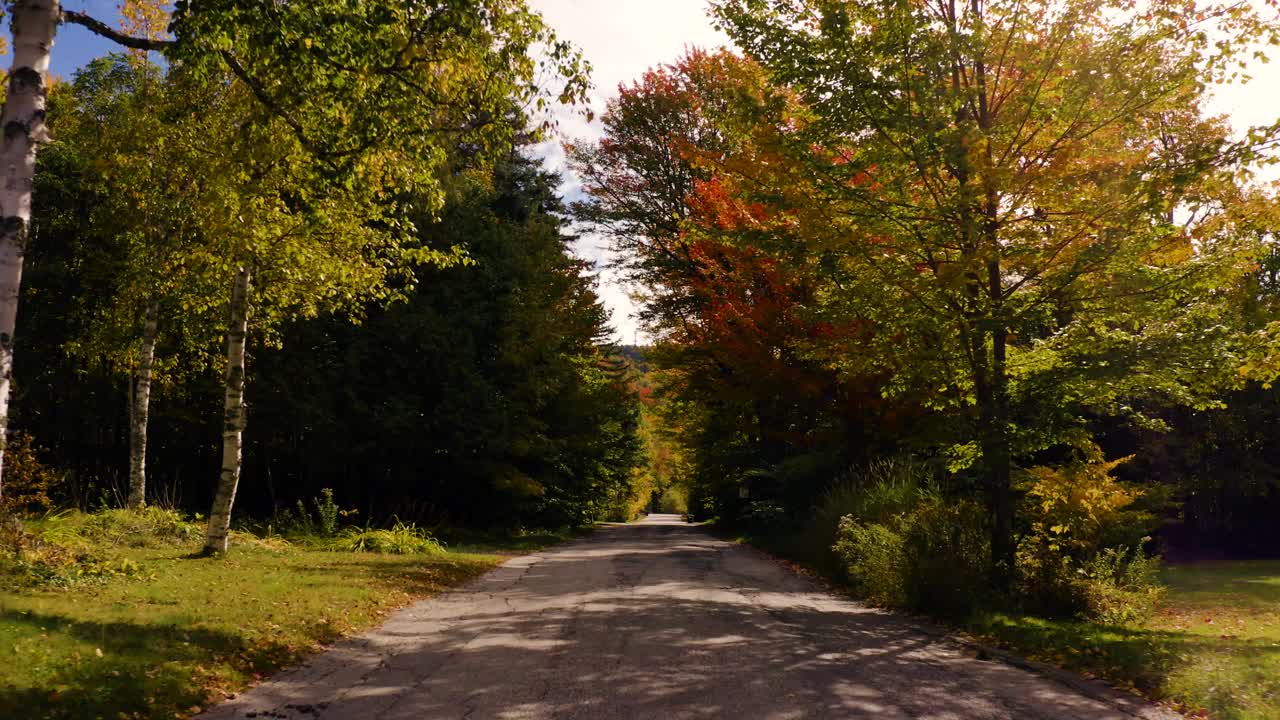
<point>386,313</point>
<point>485,392</point>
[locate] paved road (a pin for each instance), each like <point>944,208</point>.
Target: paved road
<point>654,620</point>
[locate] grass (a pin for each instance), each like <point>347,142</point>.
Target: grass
<point>1234,609</point>
<point>507,542</point>
<point>184,631</point>
<point>1212,649</point>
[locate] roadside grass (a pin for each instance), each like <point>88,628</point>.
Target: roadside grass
<point>1211,650</point>
<point>506,542</point>
<point>180,631</point>
<point>1234,608</point>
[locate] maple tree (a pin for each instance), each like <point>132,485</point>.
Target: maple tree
<point>1028,194</point>
<point>734,324</point>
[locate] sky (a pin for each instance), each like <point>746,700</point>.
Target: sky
<point>621,39</point>
<point>74,46</point>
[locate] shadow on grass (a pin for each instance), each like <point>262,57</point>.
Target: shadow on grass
<point>159,670</point>
<point>145,671</point>
<point>1239,584</point>
<point>1154,661</point>
<point>162,668</point>
<point>507,542</point>
<point>414,575</point>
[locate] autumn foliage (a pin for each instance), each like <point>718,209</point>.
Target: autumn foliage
<point>982,236</point>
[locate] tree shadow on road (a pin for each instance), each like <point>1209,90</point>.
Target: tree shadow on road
<point>598,630</point>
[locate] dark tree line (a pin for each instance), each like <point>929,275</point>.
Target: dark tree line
<point>488,395</point>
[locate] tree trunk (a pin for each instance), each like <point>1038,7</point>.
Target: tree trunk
<point>233,417</point>
<point>996,443</point>
<point>34,23</point>
<point>140,408</point>
<point>999,462</point>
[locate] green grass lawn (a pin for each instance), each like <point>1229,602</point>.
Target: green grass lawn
<point>1213,647</point>
<point>186,631</point>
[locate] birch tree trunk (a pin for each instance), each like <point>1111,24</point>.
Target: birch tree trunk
<point>33,24</point>
<point>140,408</point>
<point>233,417</point>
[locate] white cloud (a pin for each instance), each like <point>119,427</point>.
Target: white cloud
<point>1250,104</point>
<point>621,39</point>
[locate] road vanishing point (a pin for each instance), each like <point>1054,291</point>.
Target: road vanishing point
<point>658,619</point>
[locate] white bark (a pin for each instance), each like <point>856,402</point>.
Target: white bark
<point>140,408</point>
<point>233,417</point>
<point>33,24</point>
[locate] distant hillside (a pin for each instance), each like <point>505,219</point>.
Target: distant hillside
<point>638,355</point>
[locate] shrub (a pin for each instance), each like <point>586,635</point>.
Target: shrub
<point>1081,506</point>
<point>400,539</point>
<point>13,536</point>
<point>933,557</point>
<point>30,558</point>
<point>902,543</point>
<point>60,569</point>
<point>876,493</point>
<point>326,512</point>
<point>29,485</point>
<point>321,521</point>
<point>127,527</point>
<point>876,561</point>
<point>1118,587</point>
<point>292,522</point>
<point>948,549</point>
<point>249,538</point>
<point>793,481</point>
<point>1079,518</point>
<point>765,516</point>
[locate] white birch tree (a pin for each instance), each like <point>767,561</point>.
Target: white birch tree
<point>286,240</point>
<point>117,115</point>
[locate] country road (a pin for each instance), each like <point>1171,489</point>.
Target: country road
<point>656,620</point>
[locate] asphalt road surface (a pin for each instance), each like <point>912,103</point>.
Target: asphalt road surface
<point>659,620</point>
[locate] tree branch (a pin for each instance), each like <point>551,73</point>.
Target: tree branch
<point>100,28</point>
<point>265,98</point>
